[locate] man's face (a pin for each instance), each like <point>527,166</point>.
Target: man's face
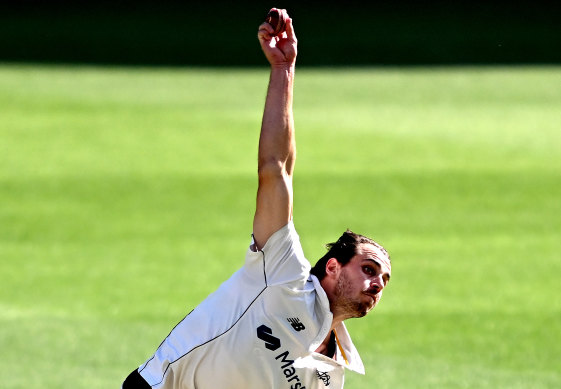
<point>361,281</point>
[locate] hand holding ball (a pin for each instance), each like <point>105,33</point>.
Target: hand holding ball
<point>277,39</point>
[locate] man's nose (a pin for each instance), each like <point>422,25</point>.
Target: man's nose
<point>377,284</point>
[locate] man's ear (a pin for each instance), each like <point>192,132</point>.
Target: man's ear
<point>332,267</point>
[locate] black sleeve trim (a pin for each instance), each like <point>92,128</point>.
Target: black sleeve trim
<point>135,381</point>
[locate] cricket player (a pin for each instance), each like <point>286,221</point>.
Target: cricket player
<point>277,322</point>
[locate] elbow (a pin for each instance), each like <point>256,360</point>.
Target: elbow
<point>271,169</point>
<point>275,166</point>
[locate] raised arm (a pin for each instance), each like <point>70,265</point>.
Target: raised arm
<point>277,146</point>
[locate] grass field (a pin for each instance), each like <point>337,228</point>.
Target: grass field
<point>127,195</point>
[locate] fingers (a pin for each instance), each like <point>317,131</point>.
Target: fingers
<point>290,30</point>
<point>267,27</point>
<point>265,32</point>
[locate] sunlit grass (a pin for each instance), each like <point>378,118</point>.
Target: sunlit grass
<point>127,195</point>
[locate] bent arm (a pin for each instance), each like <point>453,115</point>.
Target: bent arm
<point>277,146</point>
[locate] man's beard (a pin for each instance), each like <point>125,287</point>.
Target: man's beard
<point>345,303</point>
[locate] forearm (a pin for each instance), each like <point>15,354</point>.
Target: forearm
<point>277,146</point>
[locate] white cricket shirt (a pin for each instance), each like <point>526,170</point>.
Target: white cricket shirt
<point>260,329</point>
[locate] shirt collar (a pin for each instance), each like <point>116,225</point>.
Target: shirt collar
<point>351,353</point>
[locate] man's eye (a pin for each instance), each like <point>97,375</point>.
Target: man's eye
<point>368,270</point>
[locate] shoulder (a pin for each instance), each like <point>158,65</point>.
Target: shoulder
<point>282,257</point>
<point>285,236</point>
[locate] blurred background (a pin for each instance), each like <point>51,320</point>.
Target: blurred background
<point>221,33</point>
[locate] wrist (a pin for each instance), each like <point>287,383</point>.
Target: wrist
<point>286,68</point>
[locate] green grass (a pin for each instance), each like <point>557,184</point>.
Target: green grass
<point>127,195</point>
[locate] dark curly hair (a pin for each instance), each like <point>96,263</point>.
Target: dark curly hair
<point>343,250</point>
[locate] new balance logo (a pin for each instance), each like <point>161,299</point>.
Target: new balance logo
<point>296,324</point>
<point>324,377</point>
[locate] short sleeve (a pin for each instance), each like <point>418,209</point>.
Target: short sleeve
<point>282,258</point>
